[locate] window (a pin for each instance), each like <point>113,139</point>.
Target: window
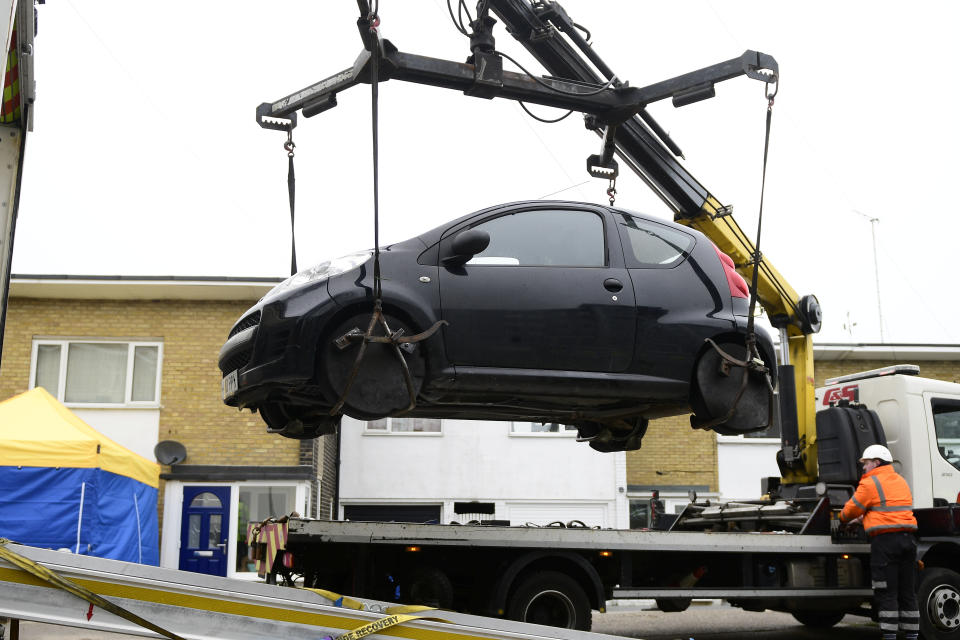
<point>640,514</point>
<point>98,372</point>
<point>542,428</point>
<point>654,245</point>
<point>544,238</point>
<point>946,422</point>
<point>404,425</point>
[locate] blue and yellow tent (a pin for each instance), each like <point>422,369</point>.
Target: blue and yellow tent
<point>64,485</point>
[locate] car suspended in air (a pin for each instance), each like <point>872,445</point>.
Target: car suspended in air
<point>548,311</point>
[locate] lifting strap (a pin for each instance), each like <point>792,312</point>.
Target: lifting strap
<point>291,191</point>
<point>752,360</point>
<point>52,578</point>
<point>390,337</point>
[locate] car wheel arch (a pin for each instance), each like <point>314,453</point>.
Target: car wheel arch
<point>432,347</point>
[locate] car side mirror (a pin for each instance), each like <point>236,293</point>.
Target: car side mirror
<point>465,245</point>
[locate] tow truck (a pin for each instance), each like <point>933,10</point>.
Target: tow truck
<point>783,551</point>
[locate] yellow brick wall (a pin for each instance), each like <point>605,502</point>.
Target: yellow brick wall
<point>674,454</point>
<point>192,333</point>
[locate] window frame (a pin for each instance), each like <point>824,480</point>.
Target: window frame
<point>367,431</point>
<point>939,402</point>
<point>132,344</point>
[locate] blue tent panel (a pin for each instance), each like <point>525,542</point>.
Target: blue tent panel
<point>88,511</point>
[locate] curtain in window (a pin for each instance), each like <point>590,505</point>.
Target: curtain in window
<point>144,374</point>
<point>48,367</point>
<point>96,372</point>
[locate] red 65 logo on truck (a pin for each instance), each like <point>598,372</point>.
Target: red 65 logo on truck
<point>850,392</point>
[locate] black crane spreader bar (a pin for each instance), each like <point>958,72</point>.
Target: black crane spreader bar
<point>611,105</point>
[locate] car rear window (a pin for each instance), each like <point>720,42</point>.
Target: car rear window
<point>652,245</point>
<point>544,237</point>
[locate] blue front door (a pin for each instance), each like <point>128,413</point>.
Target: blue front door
<point>204,530</point>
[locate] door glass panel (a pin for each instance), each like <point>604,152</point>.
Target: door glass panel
<point>256,505</point>
<point>946,422</point>
<point>206,499</point>
<point>214,538</point>
<point>193,539</point>
<point>544,238</point>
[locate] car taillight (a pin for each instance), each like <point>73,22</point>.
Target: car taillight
<point>738,286</point>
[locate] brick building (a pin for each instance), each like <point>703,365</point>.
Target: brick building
<point>136,358</point>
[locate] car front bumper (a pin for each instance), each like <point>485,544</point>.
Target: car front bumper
<point>269,352</point>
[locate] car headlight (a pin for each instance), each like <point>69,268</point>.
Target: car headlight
<point>320,272</point>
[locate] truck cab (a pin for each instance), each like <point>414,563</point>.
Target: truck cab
<point>921,422</point>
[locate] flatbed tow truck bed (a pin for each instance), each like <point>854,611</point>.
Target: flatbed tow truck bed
<point>197,606</point>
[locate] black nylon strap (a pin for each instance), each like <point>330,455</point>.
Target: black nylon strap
<point>756,248</point>
<point>375,95</point>
<point>291,190</point>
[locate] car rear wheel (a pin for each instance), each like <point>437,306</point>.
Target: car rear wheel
<point>715,390</point>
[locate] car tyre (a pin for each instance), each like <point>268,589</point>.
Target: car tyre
<point>551,598</point>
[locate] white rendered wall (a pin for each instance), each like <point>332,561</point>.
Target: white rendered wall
<point>531,478</point>
<point>135,429</point>
<point>742,463</point>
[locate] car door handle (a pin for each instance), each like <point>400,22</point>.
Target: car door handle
<point>612,284</point>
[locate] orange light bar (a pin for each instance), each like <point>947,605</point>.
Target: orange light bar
<point>412,549</point>
<point>606,554</point>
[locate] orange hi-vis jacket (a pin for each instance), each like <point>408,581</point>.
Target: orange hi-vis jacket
<point>884,500</point>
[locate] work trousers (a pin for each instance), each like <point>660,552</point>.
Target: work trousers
<point>893,567</point>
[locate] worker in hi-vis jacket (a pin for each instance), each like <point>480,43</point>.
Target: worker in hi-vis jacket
<point>885,505</point>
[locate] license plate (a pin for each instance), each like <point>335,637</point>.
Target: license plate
<point>228,386</point>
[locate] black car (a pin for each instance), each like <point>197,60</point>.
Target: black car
<point>560,312</point>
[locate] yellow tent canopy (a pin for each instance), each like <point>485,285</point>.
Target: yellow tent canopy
<point>36,430</point>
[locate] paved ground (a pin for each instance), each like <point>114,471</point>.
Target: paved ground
<point>700,622</point>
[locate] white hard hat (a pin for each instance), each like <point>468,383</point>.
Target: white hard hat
<point>877,451</point>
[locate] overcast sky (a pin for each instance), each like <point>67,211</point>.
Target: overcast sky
<point>146,159</point>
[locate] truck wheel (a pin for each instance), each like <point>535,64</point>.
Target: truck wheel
<point>551,598</point>
<point>818,619</point>
<point>428,586</point>
<point>939,602</point>
<point>673,605</point>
